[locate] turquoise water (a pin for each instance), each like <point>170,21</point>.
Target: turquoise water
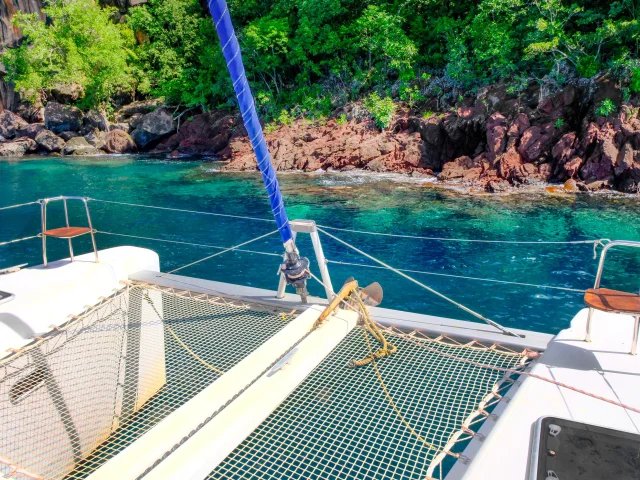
<point>355,201</point>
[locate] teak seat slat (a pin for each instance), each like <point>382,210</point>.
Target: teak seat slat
<point>608,300</point>
<point>67,232</point>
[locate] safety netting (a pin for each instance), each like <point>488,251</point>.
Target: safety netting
<point>83,392</point>
<point>407,416</point>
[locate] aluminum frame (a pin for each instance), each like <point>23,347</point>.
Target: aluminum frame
<point>43,214</point>
<point>603,255</point>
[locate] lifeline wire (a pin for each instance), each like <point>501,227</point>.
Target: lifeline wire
<point>19,205</point>
<point>223,251</point>
<point>364,232</point>
<point>435,292</point>
<point>20,239</point>
<point>338,262</point>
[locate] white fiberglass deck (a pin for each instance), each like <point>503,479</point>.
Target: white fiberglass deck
<point>603,367</point>
<point>46,296</point>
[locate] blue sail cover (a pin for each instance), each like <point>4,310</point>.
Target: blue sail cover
<point>233,57</point>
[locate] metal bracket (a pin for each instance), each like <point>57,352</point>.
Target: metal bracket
<point>309,226</point>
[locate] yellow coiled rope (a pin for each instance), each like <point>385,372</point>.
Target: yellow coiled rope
<point>386,349</point>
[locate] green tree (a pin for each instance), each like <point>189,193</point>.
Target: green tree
<point>81,46</point>
<point>266,41</point>
<point>380,36</point>
<point>179,54</point>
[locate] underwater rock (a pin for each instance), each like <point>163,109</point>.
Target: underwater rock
<point>61,118</point>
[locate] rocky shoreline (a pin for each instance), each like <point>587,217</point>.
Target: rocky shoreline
<point>491,143</point>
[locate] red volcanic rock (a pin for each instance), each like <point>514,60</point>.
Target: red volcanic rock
<point>118,141</point>
<point>508,163</point>
<point>590,136</point>
<point>206,134</point>
<point>599,165</point>
<point>624,162</point>
<point>496,134</point>
<point>462,169</point>
<point>336,146</point>
<point>563,150</point>
<point>534,142</point>
<point>570,168</point>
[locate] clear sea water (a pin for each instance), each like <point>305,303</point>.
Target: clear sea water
<point>355,201</point>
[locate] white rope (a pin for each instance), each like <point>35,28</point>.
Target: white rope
<point>337,262</point>
<point>463,277</point>
<point>435,292</point>
<point>448,239</point>
<point>20,239</point>
<point>364,232</point>
<point>184,211</point>
<point>19,205</point>
<point>204,245</point>
<point>223,251</point>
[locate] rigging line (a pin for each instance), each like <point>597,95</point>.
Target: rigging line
<point>177,339</point>
<point>183,210</point>
<point>337,262</point>
<point>204,245</point>
<point>511,371</point>
<point>20,239</point>
<point>220,253</point>
<point>364,232</point>
<point>449,239</point>
<point>19,205</point>
<point>435,292</point>
<point>464,277</point>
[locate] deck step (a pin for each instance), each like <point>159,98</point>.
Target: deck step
<point>67,232</point>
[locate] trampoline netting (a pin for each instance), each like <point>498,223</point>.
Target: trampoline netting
<point>82,393</point>
<point>78,396</point>
<point>340,424</point>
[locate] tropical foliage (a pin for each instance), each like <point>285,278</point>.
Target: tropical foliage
<point>307,57</point>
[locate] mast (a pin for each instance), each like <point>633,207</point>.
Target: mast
<point>295,268</point>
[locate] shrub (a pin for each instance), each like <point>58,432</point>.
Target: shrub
<point>381,109</point>
<point>606,108</point>
<point>342,119</point>
<point>634,84</point>
<point>559,123</point>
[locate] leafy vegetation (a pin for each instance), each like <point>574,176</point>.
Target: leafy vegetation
<point>381,109</point>
<point>308,57</point>
<point>606,108</point>
<point>82,47</point>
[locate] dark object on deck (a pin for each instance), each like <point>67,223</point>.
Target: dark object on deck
<point>568,450</point>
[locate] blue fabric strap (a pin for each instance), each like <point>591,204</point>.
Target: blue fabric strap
<point>233,57</point>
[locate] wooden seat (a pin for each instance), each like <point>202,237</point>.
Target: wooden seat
<point>67,232</point>
<point>609,300</point>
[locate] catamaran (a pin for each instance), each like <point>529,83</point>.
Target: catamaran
<point>111,369</point>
